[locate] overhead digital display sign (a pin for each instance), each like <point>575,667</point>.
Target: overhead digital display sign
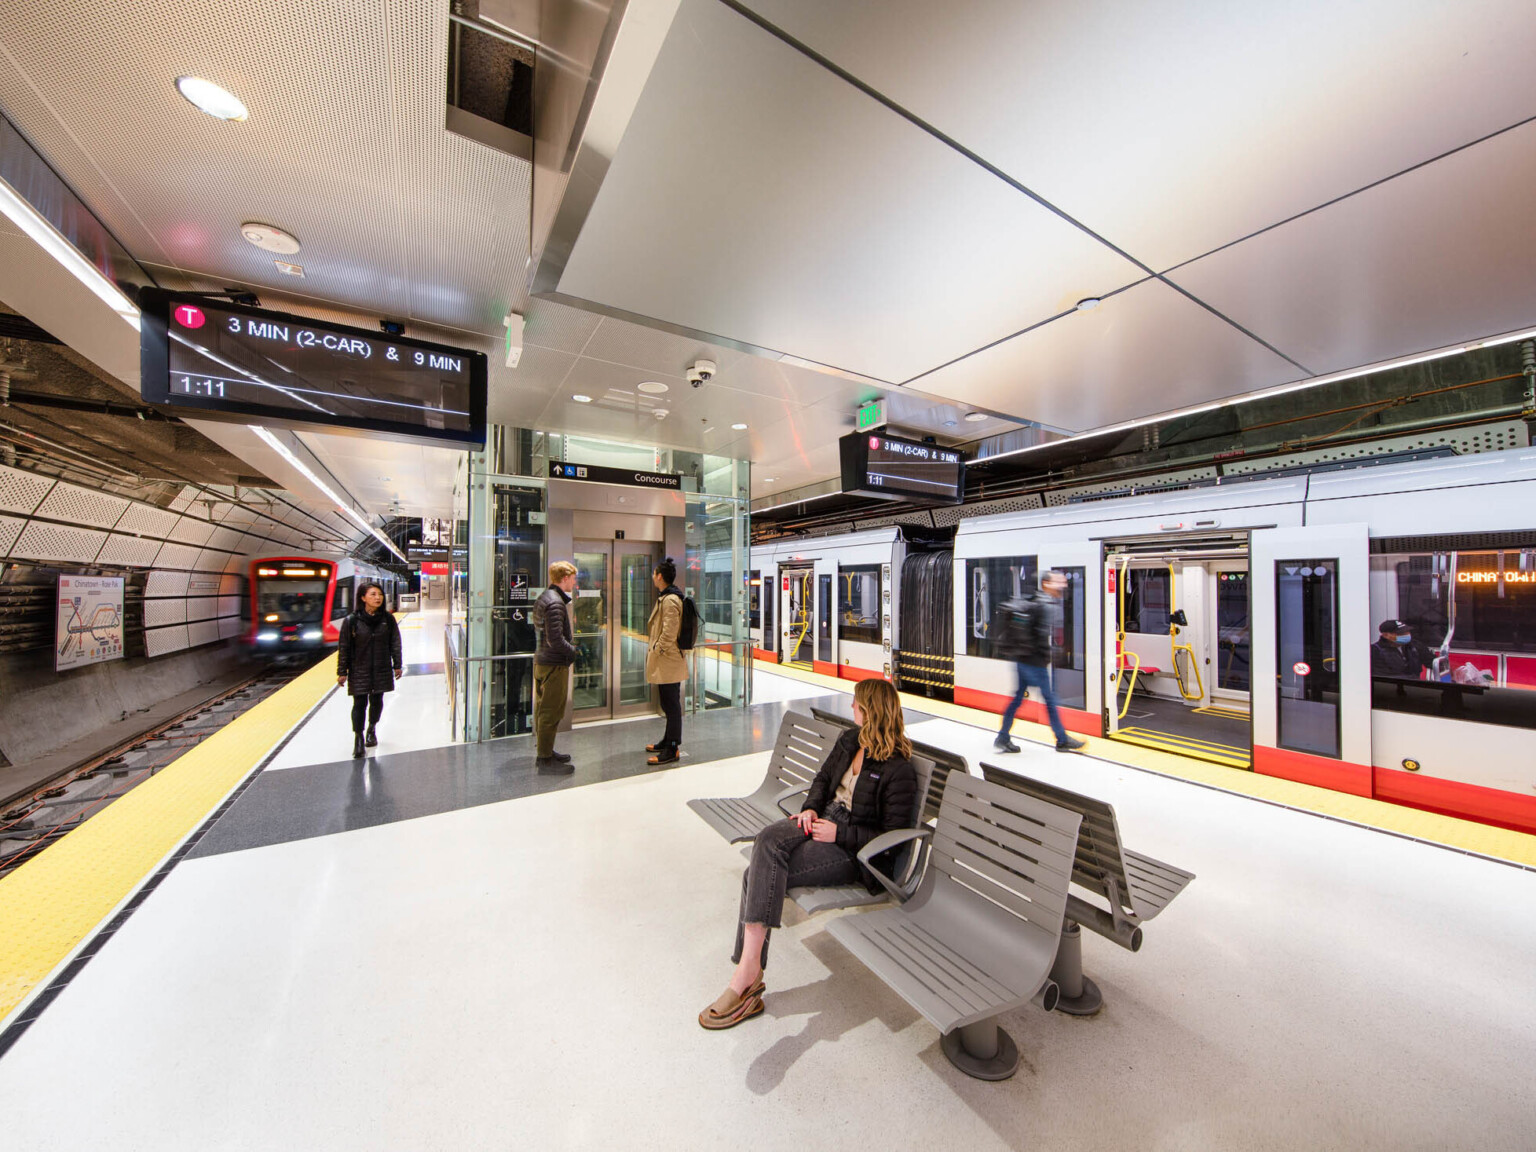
<point>891,468</point>
<point>254,366</point>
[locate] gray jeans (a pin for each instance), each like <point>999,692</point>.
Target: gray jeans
<point>784,857</point>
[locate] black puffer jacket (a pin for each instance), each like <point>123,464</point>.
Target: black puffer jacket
<point>884,796</point>
<point>369,652</point>
<point>552,618</point>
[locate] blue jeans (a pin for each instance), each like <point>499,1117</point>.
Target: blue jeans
<point>1034,676</point>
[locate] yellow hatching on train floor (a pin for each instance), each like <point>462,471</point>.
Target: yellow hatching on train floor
<point>55,900</point>
<point>1463,835</point>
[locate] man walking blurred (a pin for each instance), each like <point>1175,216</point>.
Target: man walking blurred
<point>1021,631</point>
<point>552,665</point>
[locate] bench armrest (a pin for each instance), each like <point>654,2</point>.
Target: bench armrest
<point>792,790</point>
<point>884,843</point>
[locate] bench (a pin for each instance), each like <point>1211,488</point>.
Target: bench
<point>980,936</point>
<point>1134,887</point>
<point>802,745</point>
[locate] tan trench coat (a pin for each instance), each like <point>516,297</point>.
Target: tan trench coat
<point>664,660</point>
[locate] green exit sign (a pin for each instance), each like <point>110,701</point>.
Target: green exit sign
<point>871,415</point>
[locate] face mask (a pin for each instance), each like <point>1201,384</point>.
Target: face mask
<point>1401,639</point>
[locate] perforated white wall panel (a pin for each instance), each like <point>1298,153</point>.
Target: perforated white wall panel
<point>76,505</point>
<point>212,560</point>
<point>147,520</point>
<point>21,491</point>
<point>230,585</point>
<point>43,541</point>
<point>235,563</point>
<point>165,584</point>
<point>230,626</point>
<point>161,612</point>
<point>203,584</point>
<point>202,608</point>
<point>229,606</point>
<point>226,538</point>
<point>128,551</point>
<point>191,531</point>
<point>945,517</point>
<point>159,641</point>
<point>10,530</point>
<point>203,632</point>
<point>184,500</point>
<point>1466,441</point>
<point>177,556</point>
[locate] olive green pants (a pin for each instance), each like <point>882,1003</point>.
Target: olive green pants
<point>551,686</point>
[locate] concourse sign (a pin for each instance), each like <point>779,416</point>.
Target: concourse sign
<point>595,474</point>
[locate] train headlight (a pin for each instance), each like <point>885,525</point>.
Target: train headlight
<point>312,634</point>
<point>266,636</point>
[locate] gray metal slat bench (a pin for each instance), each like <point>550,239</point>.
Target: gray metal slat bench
<point>802,745</point>
<point>980,936</point>
<point>1135,887</point>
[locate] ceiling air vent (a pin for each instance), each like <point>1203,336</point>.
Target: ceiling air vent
<point>490,83</point>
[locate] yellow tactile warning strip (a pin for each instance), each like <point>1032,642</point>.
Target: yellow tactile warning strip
<point>1185,746</point>
<point>1461,835</point>
<point>54,901</point>
<point>1223,710</point>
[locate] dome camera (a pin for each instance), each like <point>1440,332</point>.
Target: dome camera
<point>701,371</point>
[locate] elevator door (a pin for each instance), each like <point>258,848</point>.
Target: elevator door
<point>611,611</point>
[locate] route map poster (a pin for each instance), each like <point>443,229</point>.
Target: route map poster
<point>90,622</point>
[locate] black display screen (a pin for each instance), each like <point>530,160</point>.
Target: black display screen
<point>250,365</point>
<point>874,464</point>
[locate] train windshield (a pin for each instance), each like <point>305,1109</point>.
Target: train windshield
<point>291,601</point>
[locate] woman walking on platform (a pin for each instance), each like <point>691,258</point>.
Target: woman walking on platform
<point>664,663</point>
<point>368,661</point>
<point>866,786</point>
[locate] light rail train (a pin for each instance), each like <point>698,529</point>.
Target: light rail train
<point>1237,623</point>
<point>299,602</point>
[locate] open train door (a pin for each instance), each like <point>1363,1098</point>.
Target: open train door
<point>1311,655</point>
<point>1075,661</point>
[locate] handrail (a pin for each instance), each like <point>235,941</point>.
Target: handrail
<point>1175,647</point>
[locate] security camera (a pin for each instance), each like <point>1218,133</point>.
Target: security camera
<point>701,371</point>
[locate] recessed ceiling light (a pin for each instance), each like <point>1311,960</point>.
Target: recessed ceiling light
<point>653,387</point>
<point>950,423</point>
<point>769,479</point>
<point>288,269</point>
<point>208,97</point>
<point>270,238</point>
<point>739,427</point>
<point>1088,303</point>
<point>580,399</point>
<point>659,413</point>
<point>975,417</point>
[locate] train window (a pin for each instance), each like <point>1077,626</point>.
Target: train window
<point>754,599</point>
<point>1146,601</point>
<point>342,604</point>
<point>824,631</point>
<point>988,583</point>
<point>1468,651</point>
<point>858,603</point>
<point>1069,666</point>
<point>291,600</point>
<point>1307,614</point>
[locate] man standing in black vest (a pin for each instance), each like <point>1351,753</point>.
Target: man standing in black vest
<point>552,664</point>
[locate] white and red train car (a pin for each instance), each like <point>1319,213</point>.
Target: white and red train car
<point>299,602</point>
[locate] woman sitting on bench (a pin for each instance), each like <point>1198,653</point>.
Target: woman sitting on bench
<point>867,786</point>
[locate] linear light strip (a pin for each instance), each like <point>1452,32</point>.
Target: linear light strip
<point>304,470</point>
<point>1279,390</point>
<point>51,240</point>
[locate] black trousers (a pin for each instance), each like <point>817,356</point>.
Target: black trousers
<point>783,857</point>
<point>672,704</point>
<point>372,706</point>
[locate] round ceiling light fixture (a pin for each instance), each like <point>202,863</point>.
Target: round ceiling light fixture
<point>659,413</point>
<point>206,96</point>
<point>653,387</point>
<point>975,417</point>
<point>1088,303</point>
<point>738,427</point>
<point>580,399</point>
<point>950,423</point>
<point>269,238</point>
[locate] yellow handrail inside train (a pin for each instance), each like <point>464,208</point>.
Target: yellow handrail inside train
<point>802,618</point>
<point>1122,654</point>
<point>1175,647</point>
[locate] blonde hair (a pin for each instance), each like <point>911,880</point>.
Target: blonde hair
<point>560,569</point>
<point>883,733</point>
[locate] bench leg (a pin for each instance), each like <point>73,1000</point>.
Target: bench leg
<point>1080,996</point>
<point>982,1050</point>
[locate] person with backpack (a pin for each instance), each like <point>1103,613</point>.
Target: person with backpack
<point>1021,631</point>
<point>673,625</point>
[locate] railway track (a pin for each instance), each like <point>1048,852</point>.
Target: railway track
<point>62,804</point>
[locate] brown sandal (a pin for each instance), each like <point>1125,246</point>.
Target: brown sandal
<point>731,1009</point>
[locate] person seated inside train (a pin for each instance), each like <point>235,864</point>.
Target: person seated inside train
<point>866,786</point>
<point>1397,654</point>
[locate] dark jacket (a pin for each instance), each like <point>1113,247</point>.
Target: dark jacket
<point>1025,626</point>
<point>552,617</point>
<point>369,652</point>
<point>1401,661</point>
<point>884,796</point>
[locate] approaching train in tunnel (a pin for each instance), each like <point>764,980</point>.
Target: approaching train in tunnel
<point>299,602</point>
<point>1240,623</point>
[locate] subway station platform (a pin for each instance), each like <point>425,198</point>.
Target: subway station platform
<point>437,947</point>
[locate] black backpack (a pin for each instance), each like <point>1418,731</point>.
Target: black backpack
<point>1018,630</point>
<point>688,630</point>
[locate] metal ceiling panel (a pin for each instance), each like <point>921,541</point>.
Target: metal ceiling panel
<point>1174,128</point>
<point>147,520</point>
<point>345,147</point>
<point>1145,351</point>
<point>41,541</point>
<point>558,327</point>
<point>22,491</point>
<point>1439,256</point>
<point>759,197</point>
<point>10,531</point>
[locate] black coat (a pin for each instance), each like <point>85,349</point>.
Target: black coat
<point>552,618</point>
<point>884,796</point>
<point>369,653</point>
